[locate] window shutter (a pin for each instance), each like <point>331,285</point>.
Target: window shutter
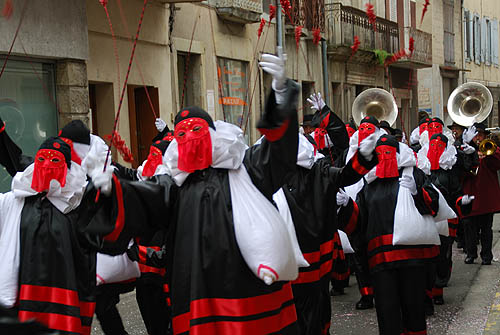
<point>477,39</point>
<point>483,40</point>
<point>470,22</point>
<point>494,41</point>
<point>487,49</point>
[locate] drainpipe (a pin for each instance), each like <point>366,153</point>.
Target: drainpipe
<point>279,25</point>
<point>462,38</point>
<point>326,81</point>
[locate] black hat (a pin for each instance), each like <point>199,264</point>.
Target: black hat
<point>481,127</point>
<point>370,119</point>
<point>55,143</point>
<point>76,131</point>
<point>442,137</point>
<point>194,112</point>
<point>436,119</point>
<point>388,140</point>
<point>454,124</point>
<point>162,145</point>
<point>352,124</point>
<point>385,124</point>
<point>306,121</point>
<point>397,132</point>
<point>424,120</point>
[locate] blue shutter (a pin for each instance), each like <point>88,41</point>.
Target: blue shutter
<point>494,41</point>
<point>483,40</point>
<point>477,39</point>
<point>470,38</point>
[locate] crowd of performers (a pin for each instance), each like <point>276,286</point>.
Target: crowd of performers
<point>220,238</point>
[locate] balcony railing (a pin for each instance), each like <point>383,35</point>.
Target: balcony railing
<point>309,14</point>
<point>343,23</point>
<point>423,45</point>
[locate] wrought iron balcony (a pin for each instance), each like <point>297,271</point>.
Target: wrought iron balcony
<point>309,14</point>
<point>343,23</point>
<point>422,55</point>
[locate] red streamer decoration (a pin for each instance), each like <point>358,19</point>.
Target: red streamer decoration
<point>7,9</point>
<point>261,27</point>
<point>372,18</point>
<point>298,33</point>
<point>316,36</point>
<point>287,9</point>
<point>120,145</point>
<point>104,3</point>
<point>272,13</point>
<point>412,46</point>
<point>355,46</point>
<point>395,57</point>
<point>424,10</point>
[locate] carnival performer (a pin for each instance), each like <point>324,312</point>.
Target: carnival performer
<point>308,194</point>
<point>439,160</point>
<point>397,271</point>
<point>204,202</point>
<point>483,185</point>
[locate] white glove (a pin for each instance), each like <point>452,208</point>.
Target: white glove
<point>367,146</point>
<point>408,182</point>
<point>316,101</point>
<point>469,134</point>
<point>275,66</point>
<point>160,124</point>
<point>467,149</point>
<point>467,199</point>
<point>342,198</point>
<point>103,180</point>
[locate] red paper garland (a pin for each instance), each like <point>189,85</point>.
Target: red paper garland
<point>287,8</point>
<point>272,13</point>
<point>397,56</point>
<point>120,145</point>
<point>7,9</point>
<point>298,33</point>
<point>412,46</point>
<point>424,10</point>
<point>355,46</point>
<point>372,18</point>
<point>261,27</point>
<point>316,36</point>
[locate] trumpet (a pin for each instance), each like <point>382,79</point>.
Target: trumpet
<point>487,147</point>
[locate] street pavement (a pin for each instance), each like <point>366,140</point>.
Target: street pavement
<point>472,303</point>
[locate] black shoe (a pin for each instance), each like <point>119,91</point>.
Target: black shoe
<point>438,300</point>
<point>366,302</point>
<point>486,262</point>
<point>336,292</point>
<point>469,260</point>
<point>429,309</point>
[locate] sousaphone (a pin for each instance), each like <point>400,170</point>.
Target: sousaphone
<point>375,102</point>
<point>469,103</point>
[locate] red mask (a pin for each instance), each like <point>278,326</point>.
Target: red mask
<point>435,128</point>
<point>194,144</point>
<point>155,158</point>
<point>49,165</point>
<point>365,130</point>
<point>350,130</point>
<point>423,127</point>
<point>74,156</point>
<point>319,138</point>
<point>436,149</point>
<point>387,166</point>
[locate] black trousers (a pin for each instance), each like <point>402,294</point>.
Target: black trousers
<point>362,273</point>
<point>107,297</point>
<point>399,300</point>
<point>153,306</point>
<point>444,262</point>
<point>479,225</point>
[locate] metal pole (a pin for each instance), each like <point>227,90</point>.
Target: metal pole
<point>279,25</point>
<point>326,81</point>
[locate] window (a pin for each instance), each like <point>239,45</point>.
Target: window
<point>494,41</point>
<point>477,39</point>
<point>449,33</point>
<point>27,107</point>
<point>189,79</point>
<point>488,49</point>
<point>233,77</point>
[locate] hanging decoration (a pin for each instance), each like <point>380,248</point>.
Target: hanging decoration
<point>287,9</point>
<point>8,9</point>
<point>397,56</point>
<point>355,46</point>
<point>372,18</point>
<point>381,56</point>
<point>261,27</point>
<point>412,46</point>
<point>316,36</point>
<point>424,10</point>
<point>119,144</point>
<point>272,13</point>
<point>298,33</point>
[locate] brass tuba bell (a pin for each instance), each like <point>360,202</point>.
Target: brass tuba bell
<point>375,102</point>
<point>469,103</point>
<point>487,147</point>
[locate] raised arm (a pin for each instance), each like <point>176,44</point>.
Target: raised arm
<point>11,156</point>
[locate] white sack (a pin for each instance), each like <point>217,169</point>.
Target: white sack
<point>410,227</point>
<point>346,245</point>
<point>114,269</point>
<point>263,240</point>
